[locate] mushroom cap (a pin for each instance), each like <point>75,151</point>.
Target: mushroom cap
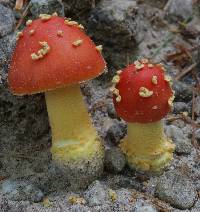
<point>64,55</point>
<point>145,93</point>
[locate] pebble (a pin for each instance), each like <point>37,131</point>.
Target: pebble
<point>21,191</point>
<point>114,160</point>
<point>96,194</point>
<point>177,189</point>
<point>183,144</point>
<point>179,9</point>
<point>183,92</point>
<point>143,206</point>
<point>115,130</point>
<point>179,107</point>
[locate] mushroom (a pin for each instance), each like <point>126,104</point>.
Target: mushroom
<point>53,55</point>
<point>142,97</point>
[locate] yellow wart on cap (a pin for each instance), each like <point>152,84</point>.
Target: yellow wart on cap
<point>45,17</point>
<point>144,60</point>
<point>115,91</point>
<point>119,72</point>
<point>80,26</point>
<point>150,65</point>
<point>118,98</point>
<point>70,23</point>
<point>19,35</point>
<point>99,48</point>
<point>168,79</point>
<point>32,31</point>
<point>138,65</point>
<point>60,33</point>
<point>55,14</point>
<point>29,22</point>
<point>116,79</point>
<point>41,52</point>
<point>77,42</point>
<point>155,107</point>
<point>154,80</point>
<point>171,99</point>
<point>144,92</point>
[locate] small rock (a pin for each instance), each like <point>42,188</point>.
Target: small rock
<point>115,130</point>
<point>38,7</point>
<point>179,9</point>
<point>179,107</point>
<point>96,194</point>
<point>176,189</point>
<point>20,190</point>
<point>79,9</point>
<point>183,92</point>
<point>183,144</point>
<point>114,160</point>
<point>142,206</point>
<point>7,20</point>
<point>114,19</point>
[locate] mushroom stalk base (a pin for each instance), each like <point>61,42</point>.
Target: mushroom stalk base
<point>147,148</point>
<point>75,144</point>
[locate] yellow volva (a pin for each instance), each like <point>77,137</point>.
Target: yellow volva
<point>153,153</point>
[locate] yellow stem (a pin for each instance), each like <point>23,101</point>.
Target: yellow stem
<point>146,147</point>
<point>73,136</point>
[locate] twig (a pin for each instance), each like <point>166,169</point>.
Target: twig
<point>186,71</point>
<point>23,16</point>
<point>19,4</point>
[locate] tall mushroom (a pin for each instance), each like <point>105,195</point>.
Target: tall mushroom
<point>53,55</point>
<point>142,97</point>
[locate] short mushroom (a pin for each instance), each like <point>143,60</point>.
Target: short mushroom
<point>53,55</point>
<point>142,97</point>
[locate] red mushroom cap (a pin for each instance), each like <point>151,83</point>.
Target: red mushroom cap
<point>52,52</point>
<point>145,93</point>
